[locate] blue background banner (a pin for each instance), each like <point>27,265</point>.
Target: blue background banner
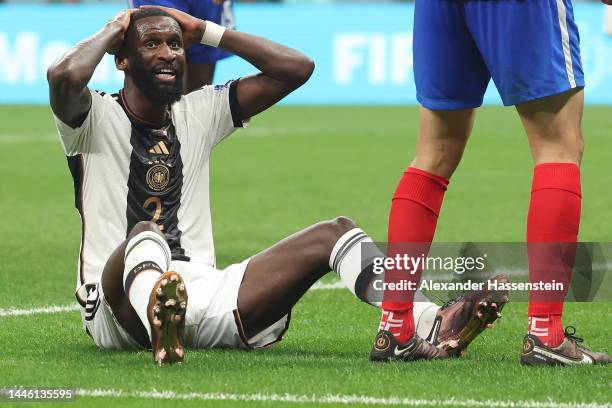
<point>363,52</point>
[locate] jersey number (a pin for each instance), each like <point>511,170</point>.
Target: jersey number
<point>158,209</point>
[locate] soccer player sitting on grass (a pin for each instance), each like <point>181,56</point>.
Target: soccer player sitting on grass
<point>140,164</point>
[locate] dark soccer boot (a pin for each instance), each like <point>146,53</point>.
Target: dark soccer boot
<point>166,311</point>
<point>387,348</point>
<point>535,353</point>
<point>462,319</point>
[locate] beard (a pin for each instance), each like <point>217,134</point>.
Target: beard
<point>160,93</point>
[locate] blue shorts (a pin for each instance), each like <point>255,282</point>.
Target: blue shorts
<point>529,47</point>
<point>206,10</point>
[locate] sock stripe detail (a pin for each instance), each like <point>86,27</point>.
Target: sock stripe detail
<point>557,176</point>
<point>143,266</point>
<point>422,188</point>
<point>355,239</point>
<point>149,236</point>
<point>443,182</point>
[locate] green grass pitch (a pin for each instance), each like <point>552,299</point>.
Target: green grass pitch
<point>292,167</point>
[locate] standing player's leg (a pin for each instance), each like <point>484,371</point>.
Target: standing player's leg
<point>553,128</point>
<point>555,137</point>
<point>416,204</point>
<point>148,302</point>
<point>544,80</point>
<point>414,213</point>
<point>451,79</point>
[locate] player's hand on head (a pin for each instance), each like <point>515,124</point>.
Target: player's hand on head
<point>193,28</point>
<point>121,20</point>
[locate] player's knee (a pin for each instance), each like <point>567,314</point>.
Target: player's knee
<point>342,224</point>
<point>564,146</point>
<point>572,142</point>
<point>442,162</point>
<point>325,236</point>
<point>143,226</point>
<point>334,229</point>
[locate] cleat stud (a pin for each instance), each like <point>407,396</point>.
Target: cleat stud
<point>181,287</point>
<point>158,291</point>
<point>183,305</point>
<point>164,282</point>
<point>479,315</point>
<point>170,302</point>
<point>499,315</point>
<point>173,278</point>
<point>489,325</point>
<point>157,322</point>
<point>494,305</point>
<point>177,318</point>
<point>179,352</point>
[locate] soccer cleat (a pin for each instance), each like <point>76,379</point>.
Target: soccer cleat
<point>535,353</point>
<point>166,311</point>
<point>462,319</point>
<point>387,348</point>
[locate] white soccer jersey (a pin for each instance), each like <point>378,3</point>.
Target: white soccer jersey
<point>126,171</point>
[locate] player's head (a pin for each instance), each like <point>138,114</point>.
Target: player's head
<point>152,55</point>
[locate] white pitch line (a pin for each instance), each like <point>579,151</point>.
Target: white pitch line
<point>39,310</point>
<point>74,307</point>
<point>328,285</point>
<point>333,399</point>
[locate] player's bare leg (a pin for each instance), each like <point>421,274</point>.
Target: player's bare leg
<point>553,127</point>
<point>284,272</point>
<point>555,137</point>
<point>441,141</point>
<point>147,302</point>
<point>278,277</point>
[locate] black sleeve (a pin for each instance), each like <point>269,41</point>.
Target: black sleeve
<point>237,117</point>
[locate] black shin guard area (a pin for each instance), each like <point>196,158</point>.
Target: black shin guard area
<point>143,266</point>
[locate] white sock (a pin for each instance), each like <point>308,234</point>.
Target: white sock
<point>147,256</point>
<point>424,313</point>
<point>346,260</point>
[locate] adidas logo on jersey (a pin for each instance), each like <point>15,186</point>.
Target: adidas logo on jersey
<point>159,148</point>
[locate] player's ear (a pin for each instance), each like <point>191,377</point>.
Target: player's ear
<point>120,62</point>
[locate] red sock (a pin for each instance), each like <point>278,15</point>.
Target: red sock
<point>554,218</point>
<point>414,215</point>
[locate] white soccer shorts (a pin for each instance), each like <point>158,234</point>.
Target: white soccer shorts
<point>212,318</point>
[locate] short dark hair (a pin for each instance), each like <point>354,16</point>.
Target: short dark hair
<point>141,13</point>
